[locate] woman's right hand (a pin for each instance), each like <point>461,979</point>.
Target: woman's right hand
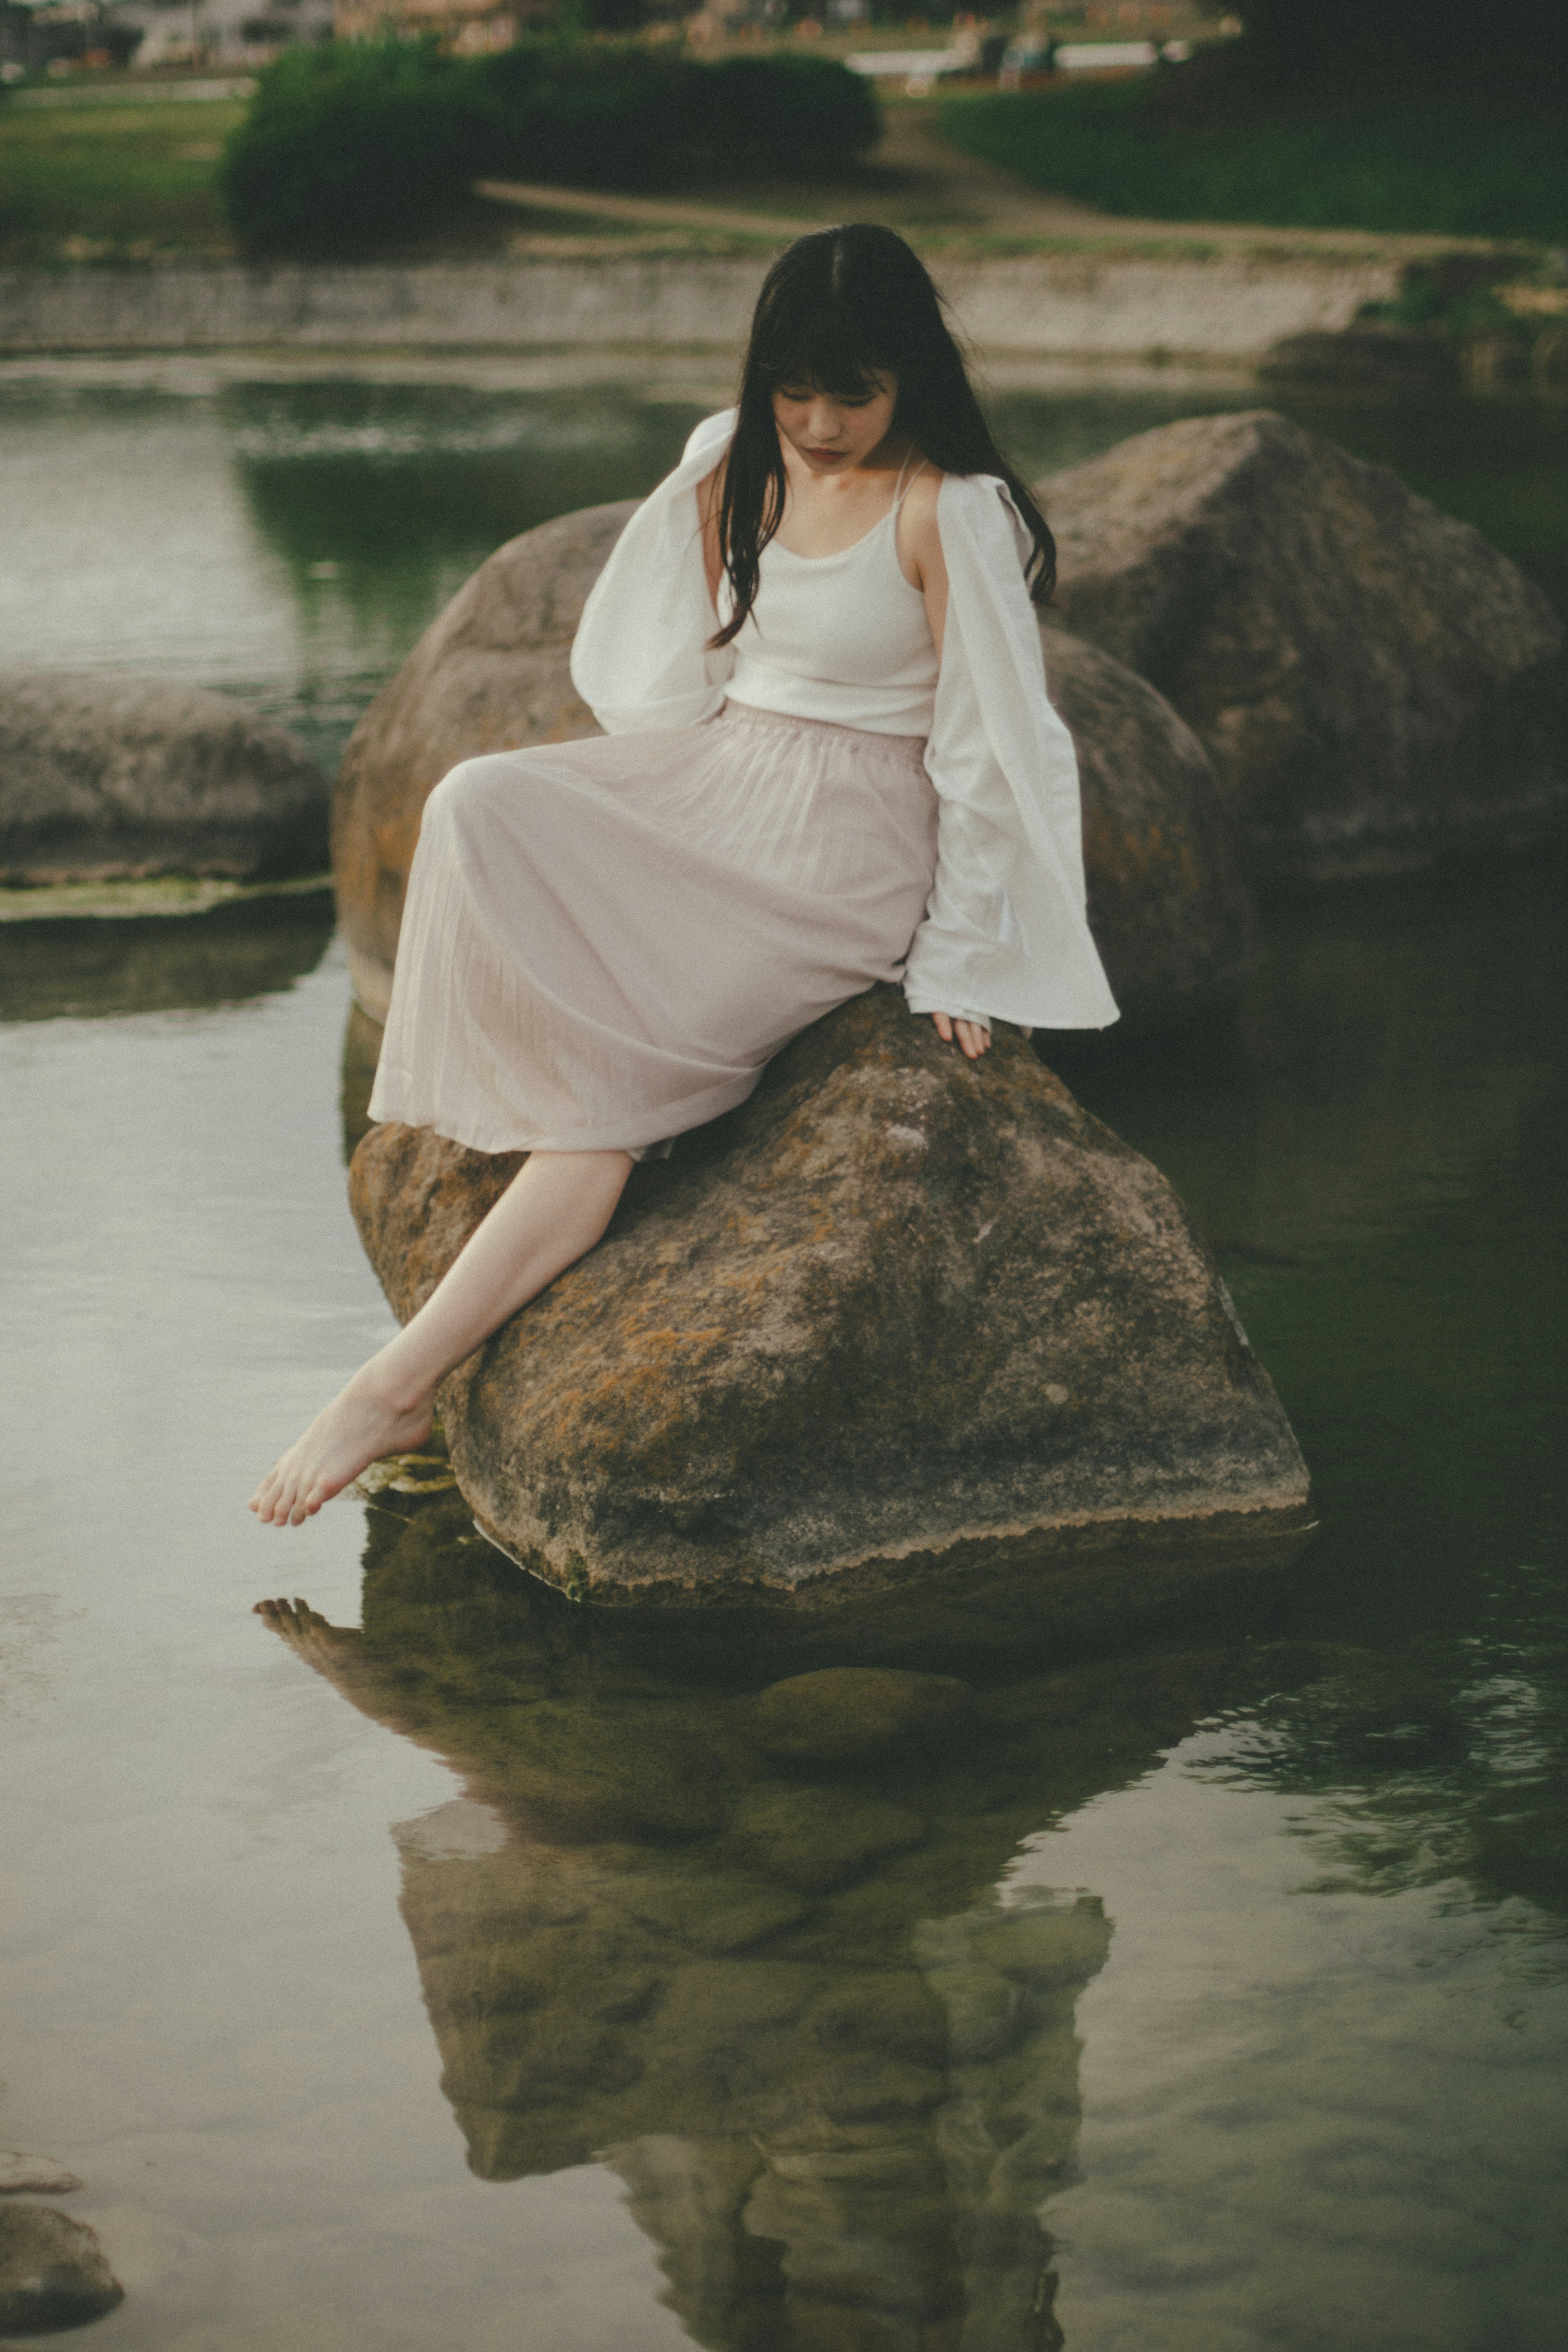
<point>971,1037</point>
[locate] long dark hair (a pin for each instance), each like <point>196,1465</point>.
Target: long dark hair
<point>840,306</point>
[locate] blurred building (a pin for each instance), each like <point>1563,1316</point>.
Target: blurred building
<point>462,24</point>
<point>218,32</point>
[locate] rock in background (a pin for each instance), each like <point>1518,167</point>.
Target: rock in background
<point>112,779</point>
<point>53,2274</point>
<point>1376,685</point>
<point>902,1320</point>
<point>490,673</point>
<point>1167,901</point>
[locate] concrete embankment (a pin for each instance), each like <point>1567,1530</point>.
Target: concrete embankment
<point>1230,307</point>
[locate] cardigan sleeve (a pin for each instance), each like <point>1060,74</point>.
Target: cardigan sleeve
<point>640,659</point>
<point>1006,934</point>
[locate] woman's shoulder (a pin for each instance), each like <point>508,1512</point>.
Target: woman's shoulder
<point>710,439</point>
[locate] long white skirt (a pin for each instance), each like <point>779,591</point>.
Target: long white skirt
<point>605,942</point>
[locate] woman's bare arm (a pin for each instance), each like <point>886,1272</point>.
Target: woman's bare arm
<point>710,490</point>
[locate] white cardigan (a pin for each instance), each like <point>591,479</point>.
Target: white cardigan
<point>1005,936</point>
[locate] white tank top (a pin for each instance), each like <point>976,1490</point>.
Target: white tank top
<point>841,636</point>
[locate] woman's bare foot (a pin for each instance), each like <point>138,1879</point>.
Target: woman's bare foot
<point>363,1422</point>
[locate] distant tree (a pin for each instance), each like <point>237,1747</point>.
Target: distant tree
<point>1318,38</point>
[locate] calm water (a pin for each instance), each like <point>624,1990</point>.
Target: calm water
<point>453,1970</point>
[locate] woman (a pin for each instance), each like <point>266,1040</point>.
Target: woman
<point>829,761</point>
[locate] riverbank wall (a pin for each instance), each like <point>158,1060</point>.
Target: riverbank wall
<point>1079,305</point>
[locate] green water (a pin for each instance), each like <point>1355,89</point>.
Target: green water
<point>435,1965</point>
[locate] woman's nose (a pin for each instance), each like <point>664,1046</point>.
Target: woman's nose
<point>824,421</point>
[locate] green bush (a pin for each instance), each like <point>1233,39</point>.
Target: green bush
<point>1443,166</point>
<point>348,146</point>
<point>594,114</point>
<point>354,145</point>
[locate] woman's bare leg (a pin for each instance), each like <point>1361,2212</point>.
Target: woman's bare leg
<point>556,1207</point>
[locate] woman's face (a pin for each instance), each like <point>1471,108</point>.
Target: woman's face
<point>834,432</point>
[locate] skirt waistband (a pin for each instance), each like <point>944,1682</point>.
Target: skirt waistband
<point>909,748</point>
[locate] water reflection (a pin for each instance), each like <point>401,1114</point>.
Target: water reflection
<point>792,1996</point>
<point>289,535</point>
<point>103,964</point>
<point>776,1991</point>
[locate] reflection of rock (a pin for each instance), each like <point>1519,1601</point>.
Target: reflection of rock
<point>106,777</point>
<point>1169,907</point>
<point>53,2274</point>
<point>488,675</point>
<point>99,964</point>
<point>1372,680</point>
<point>842,1712</point>
<point>922,1321</point>
<point>837,2111</point>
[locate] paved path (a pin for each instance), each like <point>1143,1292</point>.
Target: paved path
<point>934,195</point>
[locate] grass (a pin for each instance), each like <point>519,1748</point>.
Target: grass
<point>1484,166</point>
<point>95,182</point>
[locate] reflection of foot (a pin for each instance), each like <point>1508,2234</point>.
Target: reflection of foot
<point>309,1635</point>
<point>359,1425</point>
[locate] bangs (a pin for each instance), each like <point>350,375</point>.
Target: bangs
<point>824,352</point>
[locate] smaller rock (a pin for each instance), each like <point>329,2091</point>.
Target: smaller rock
<point>118,779</point>
<point>842,1712</point>
<point>53,2273</point>
<point>34,2176</point>
<point>816,1838</point>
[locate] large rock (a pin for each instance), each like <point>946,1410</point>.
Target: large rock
<point>111,779</point>
<point>1376,684</point>
<point>903,1320</point>
<point>53,2274</point>
<point>1167,901</point>
<point>1169,904</point>
<point>490,673</point>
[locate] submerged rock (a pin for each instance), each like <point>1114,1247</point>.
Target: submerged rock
<point>113,779</point>
<point>813,1839</point>
<point>840,1713</point>
<point>902,1322</point>
<point>1374,681</point>
<point>1167,901</point>
<point>53,2274</point>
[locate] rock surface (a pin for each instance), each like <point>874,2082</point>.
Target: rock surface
<point>112,779</point>
<point>53,2273</point>
<point>902,1317</point>
<point>1376,683</point>
<point>1167,901</point>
